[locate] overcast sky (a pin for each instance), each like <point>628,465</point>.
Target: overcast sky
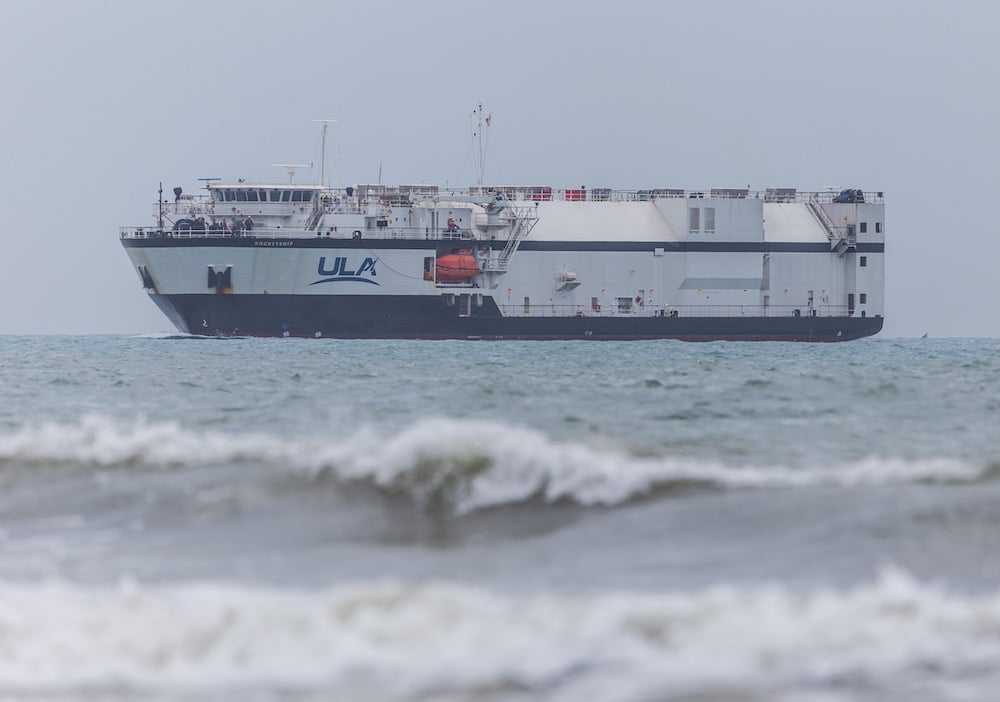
<point>103,100</point>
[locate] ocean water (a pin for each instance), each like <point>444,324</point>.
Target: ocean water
<point>185,519</point>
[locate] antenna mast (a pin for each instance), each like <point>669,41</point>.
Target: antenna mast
<point>322,159</point>
<point>481,125</point>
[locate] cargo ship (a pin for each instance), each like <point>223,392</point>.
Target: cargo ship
<point>515,262</point>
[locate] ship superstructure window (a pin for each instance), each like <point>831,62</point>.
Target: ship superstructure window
<point>694,217</point>
<point>286,195</point>
<point>709,219</point>
<point>275,196</point>
<point>863,227</point>
<point>241,196</point>
<point>297,195</point>
<point>878,227</point>
<point>624,305</point>
<point>527,305</point>
<point>863,298</point>
<point>251,196</point>
<point>863,261</point>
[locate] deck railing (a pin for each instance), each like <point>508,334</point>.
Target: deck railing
<point>613,310</point>
<point>462,237</point>
<point>337,201</point>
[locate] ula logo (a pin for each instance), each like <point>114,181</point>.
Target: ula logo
<point>341,271</point>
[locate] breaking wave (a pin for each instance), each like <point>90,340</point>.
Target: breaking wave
<point>394,641</point>
<point>466,465</point>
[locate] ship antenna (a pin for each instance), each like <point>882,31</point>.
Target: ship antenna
<point>322,159</point>
<point>480,136</point>
<point>291,168</point>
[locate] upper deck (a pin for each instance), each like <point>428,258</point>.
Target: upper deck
<point>267,210</point>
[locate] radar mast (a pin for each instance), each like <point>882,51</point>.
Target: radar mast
<point>292,167</point>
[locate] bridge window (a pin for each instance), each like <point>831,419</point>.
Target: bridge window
<point>286,195</point>
<point>241,196</point>
<point>251,196</point>
<point>307,196</point>
<point>230,196</point>
<point>275,196</point>
<point>296,196</point>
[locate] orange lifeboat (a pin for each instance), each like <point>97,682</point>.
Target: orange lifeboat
<point>458,267</point>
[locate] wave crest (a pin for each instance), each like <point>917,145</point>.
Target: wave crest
<point>400,641</point>
<point>464,465</point>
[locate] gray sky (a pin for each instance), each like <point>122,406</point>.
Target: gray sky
<point>103,100</point>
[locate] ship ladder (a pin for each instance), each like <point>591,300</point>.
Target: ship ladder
<point>314,219</point>
<point>525,219</point>
<point>839,242</point>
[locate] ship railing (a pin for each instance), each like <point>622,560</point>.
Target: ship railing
<point>337,202</point>
<point>613,309</point>
<point>536,193</point>
<point>208,208</point>
<point>460,237</point>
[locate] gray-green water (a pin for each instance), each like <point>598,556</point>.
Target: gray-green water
<point>183,518</point>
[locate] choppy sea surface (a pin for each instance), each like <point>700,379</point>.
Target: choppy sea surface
<point>185,519</point>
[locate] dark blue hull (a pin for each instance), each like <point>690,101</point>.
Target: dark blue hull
<point>431,317</point>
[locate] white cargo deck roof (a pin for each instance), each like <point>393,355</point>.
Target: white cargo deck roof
<point>790,221</point>
<point>601,221</point>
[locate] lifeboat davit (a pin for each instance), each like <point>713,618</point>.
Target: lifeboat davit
<point>458,267</point>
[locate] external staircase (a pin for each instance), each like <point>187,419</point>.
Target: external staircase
<point>842,239</point>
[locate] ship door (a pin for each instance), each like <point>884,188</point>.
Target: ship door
<point>465,305</point>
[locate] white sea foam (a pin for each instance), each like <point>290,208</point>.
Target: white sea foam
<point>466,464</point>
<point>437,641</point>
